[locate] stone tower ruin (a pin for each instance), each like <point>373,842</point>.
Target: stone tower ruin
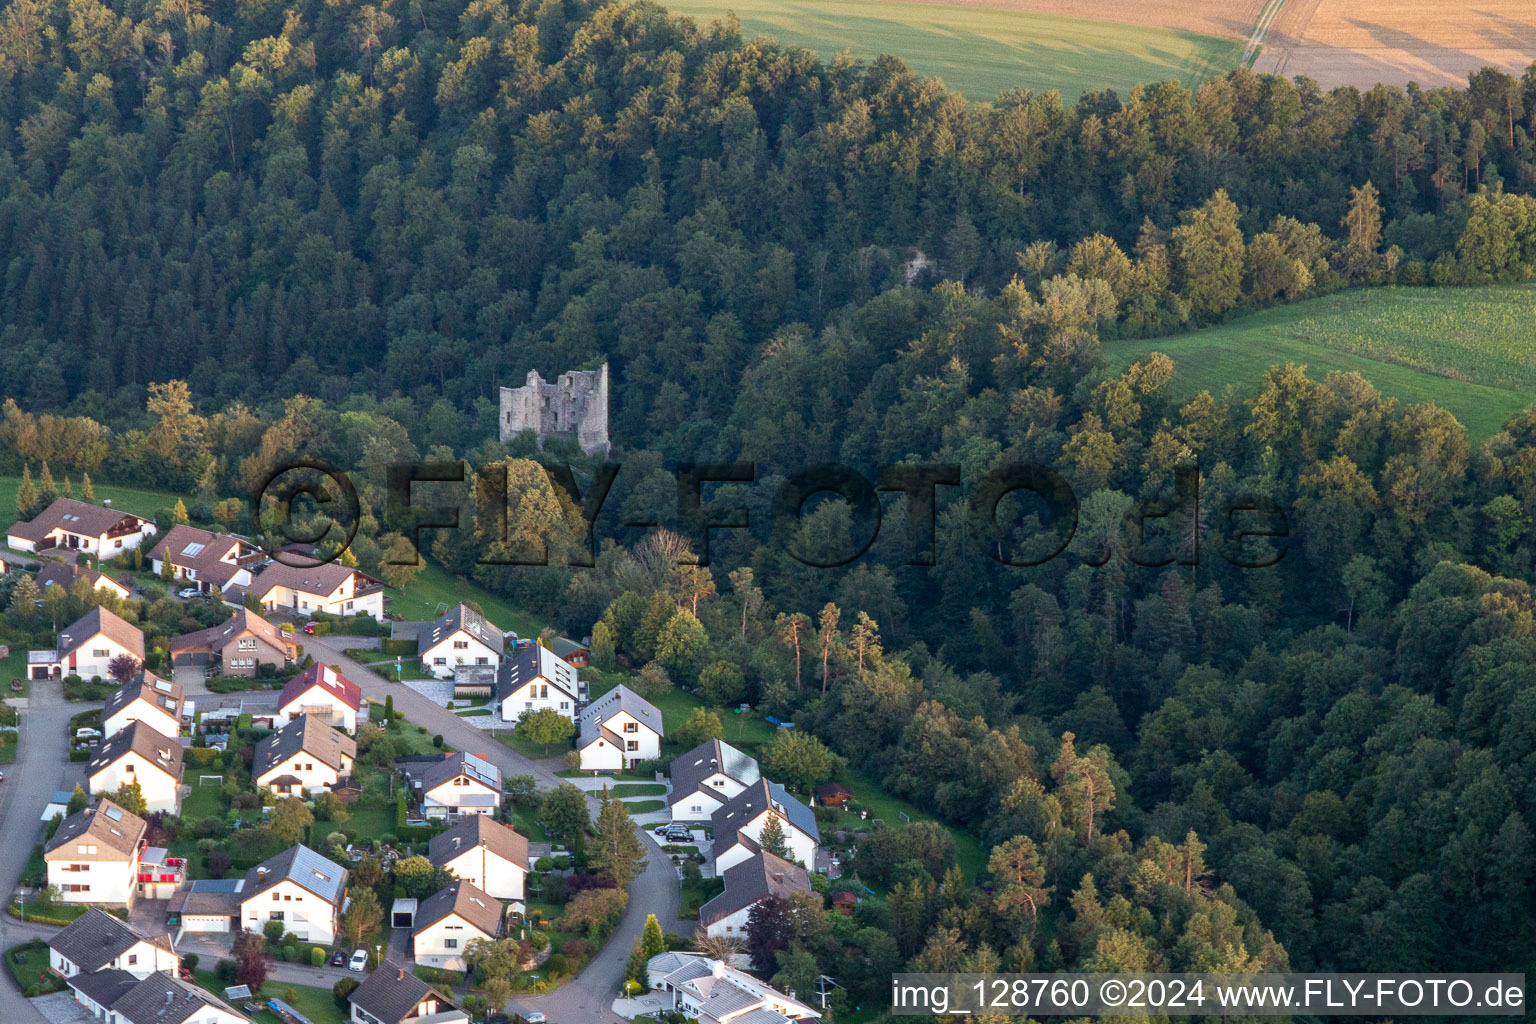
<point>574,408</point>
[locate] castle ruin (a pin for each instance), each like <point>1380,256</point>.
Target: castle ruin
<point>574,408</point>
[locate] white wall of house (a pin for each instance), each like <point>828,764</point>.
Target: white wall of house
<point>110,883</point>
<point>161,791</point>
<point>301,911</point>
<point>441,944</point>
<point>141,710</point>
<point>92,657</point>
<point>495,874</point>
<point>640,744</point>
<point>314,775</point>
<point>536,696</point>
<point>102,545</point>
<point>734,925</point>
<point>601,756</point>
<point>461,795</point>
<point>342,601</point>
<point>457,648</point>
<point>317,700</point>
<point>140,960</point>
<point>802,847</point>
<point>695,806</point>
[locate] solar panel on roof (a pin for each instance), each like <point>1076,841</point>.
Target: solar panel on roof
<point>115,813</point>
<point>193,549</point>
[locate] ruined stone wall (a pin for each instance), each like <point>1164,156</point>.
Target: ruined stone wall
<point>574,407</point>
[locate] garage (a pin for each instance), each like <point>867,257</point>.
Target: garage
<point>208,905</point>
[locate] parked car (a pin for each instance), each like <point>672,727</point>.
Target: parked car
<point>338,959</point>
<point>359,961</point>
<point>187,593</point>
<point>678,834</point>
<point>662,829</point>
<point>309,628</point>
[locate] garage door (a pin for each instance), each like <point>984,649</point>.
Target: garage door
<point>199,923</point>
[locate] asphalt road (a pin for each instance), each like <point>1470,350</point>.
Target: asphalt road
<point>42,766</point>
<point>586,997</point>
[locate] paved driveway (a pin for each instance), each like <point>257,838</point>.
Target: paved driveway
<point>587,996</point>
<point>42,766</point>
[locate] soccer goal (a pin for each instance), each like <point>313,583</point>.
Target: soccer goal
<point>216,780</point>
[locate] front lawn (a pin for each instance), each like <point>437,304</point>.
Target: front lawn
<point>527,748</point>
<point>624,789</point>
<point>13,667</point>
<point>644,806</point>
<point>314,1003</point>
<point>524,820</point>
<point>435,590</point>
<point>29,966</point>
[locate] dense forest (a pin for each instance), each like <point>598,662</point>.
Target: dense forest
<point>239,232</point>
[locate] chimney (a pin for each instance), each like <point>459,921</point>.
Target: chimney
<point>261,872</point>
<point>169,998</point>
<point>401,976</point>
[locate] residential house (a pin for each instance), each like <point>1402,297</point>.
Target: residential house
<point>238,647</point>
<point>115,997</point>
<point>742,819</point>
<point>577,655</point>
<point>461,637</point>
<point>324,587</point>
<point>303,758</point>
<point>714,993</point>
<point>447,921</point>
<point>530,677</point>
<point>87,646</point>
<point>64,574</point>
<point>484,852</point>
<point>459,784</point>
<point>213,562</point>
<point>706,777</point>
<point>300,888</point>
<point>97,941</point>
<point>393,995</point>
<point>140,753</point>
<point>748,883</point>
<point>149,699</point>
<point>322,692</point>
<point>617,730</point>
<point>93,857</point>
<point>206,905</point>
<point>160,874</point>
<point>80,526</point>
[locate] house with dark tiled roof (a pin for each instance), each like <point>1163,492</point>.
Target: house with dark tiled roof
<point>531,677</point>
<point>65,574</point>
<point>748,883</point>
<point>459,784</point>
<point>140,753</point>
<point>97,941</point>
<point>320,692</point>
<point>94,854</point>
<point>738,825</point>
<point>393,995</point>
<point>325,587</point>
<point>617,730</point>
<point>706,777</point>
<point>303,758</point>
<point>149,699</point>
<point>116,997</point>
<point>462,637</point>
<point>483,851</point>
<point>447,921</point>
<point>212,562</point>
<point>298,887</point>
<point>87,646</point>
<point>238,647</point>
<point>715,993</point>
<point>75,525</point>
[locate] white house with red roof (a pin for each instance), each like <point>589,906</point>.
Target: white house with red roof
<point>327,587</point>
<point>323,692</point>
<point>211,561</point>
<point>80,526</point>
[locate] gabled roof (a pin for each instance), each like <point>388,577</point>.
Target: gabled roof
<point>472,765</point>
<point>64,574</point>
<point>474,831</point>
<point>146,741</point>
<point>105,825</point>
<point>305,734</point>
<point>301,865</point>
<point>162,694</point>
<point>102,987</point>
<point>691,769</point>
<point>391,994</point>
<point>328,679</point>
<point>75,516</point>
<point>754,879</point>
<point>528,662</point>
<point>563,647</point>
<point>459,617</point>
<point>470,902</point>
<point>321,580</point>
<point>619,699</point>
<point>752,801</point>
<point>96,938</point>
<point>215,638</point>
<point>162,999</point>
<point>101,622</point>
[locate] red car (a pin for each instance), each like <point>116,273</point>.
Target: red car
<point>309,627</point>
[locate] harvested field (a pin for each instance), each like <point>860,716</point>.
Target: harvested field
<point>983,49</point>
<point>1363,42</point>
<point>1232,19</point>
